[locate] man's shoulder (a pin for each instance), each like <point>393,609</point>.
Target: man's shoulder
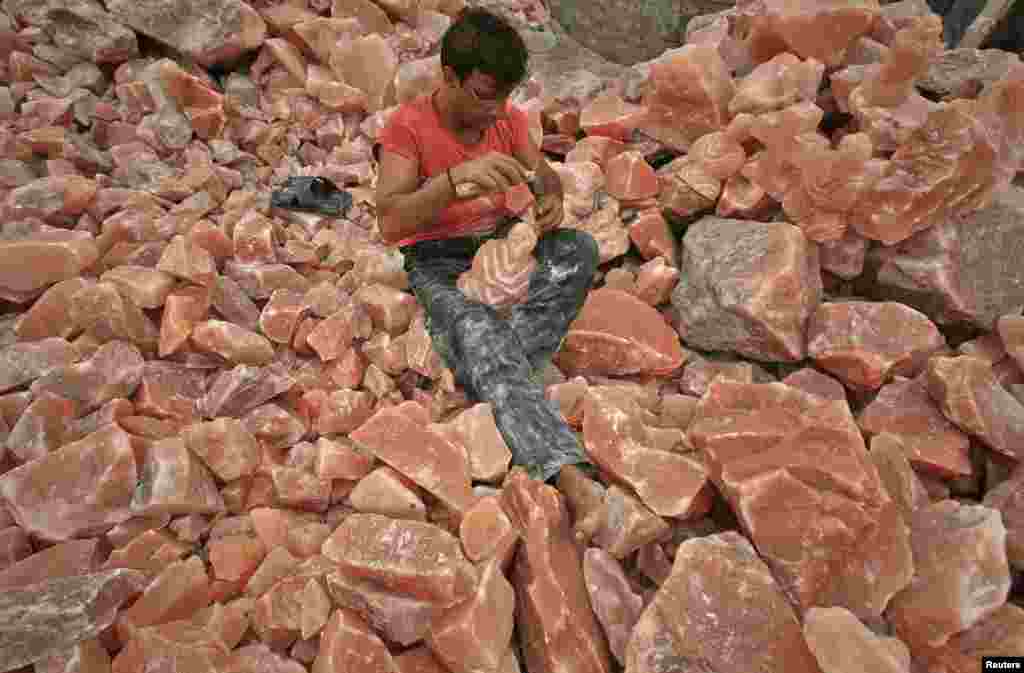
<point>412,111</point>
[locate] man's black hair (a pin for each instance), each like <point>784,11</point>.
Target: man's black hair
<point>487,42</point>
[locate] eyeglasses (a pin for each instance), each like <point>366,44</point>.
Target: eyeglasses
<point>497,99</point>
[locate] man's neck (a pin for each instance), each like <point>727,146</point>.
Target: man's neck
<point>447,115</point>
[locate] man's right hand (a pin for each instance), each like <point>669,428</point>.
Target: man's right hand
<point>493,172</point>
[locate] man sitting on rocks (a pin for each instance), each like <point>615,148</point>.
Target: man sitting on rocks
<point>467,132</point>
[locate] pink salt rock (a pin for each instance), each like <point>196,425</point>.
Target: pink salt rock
<point>845,257</point>
<point>866,343</point>
<point>277,565</point>
<point>652,236</point>
<point>339,458</point>
<point>147,288</point>
<point>614,436</point>
<point>280,613</point>
<point>274,427</point>
<point>899,479</point>
<point>301,533</point>
<point>281,315</point>
<point>183,310</point>
<point>885,104</point>
<point>22,363</point>
<point>186,259</point>
<point>630,177</point>
<point>107,315</point>
<point>41,427</point>
<point>610,116</point>
<point>171,392</point>
<point>180,643</point>
<point>1008,498</point>
<point>422,660</point>
<point>598,149</point>
<point>961,573</point>
<point>476,431</point>
<point>742,199</point>
<point>933,444</point>
<point>1011,332</point>
<point>349,644</point>
<point>823,31</point>
<point>384,492</point>
<point>697,609</point>
<point>81,489</point>
<point>970,396</point>
<point>598,343</point>
<point>225,446</point>
<point>814,382</point>
<point>177,593</point>
<point>344,411</point>
<point>390,309</point>
<point>487,532</point>
<point>235,557</point>
<point>777,83</point>
<point>14,546</point>
<point>351,62</point>
<point>88,656</point>
<point>786,433</point>
<point>687,189</point>
<point>556,625</point>
<point>475,634</point>
<point>700,372</point>
<point>148,550</point>
<point>174,481</point>
<point>334,335</point>
<point>398,618</point>
<point>501,269</point>
<point>688,96</point>
<point>427,458</point>
<point>225,33</point>
<point>235,391</point>
<point>836,635</point>
<point>65,559</point>
<point>29,265</point>
<point>233,343</point>
<point>770,270</point>
<point>46,619</point>
<point>1001,631</point>
<point>259,658</point>
<point>617,606</point>
<point>50,314</point>
<point>233,304</point>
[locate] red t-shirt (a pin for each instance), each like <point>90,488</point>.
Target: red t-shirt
<point>415,131</point>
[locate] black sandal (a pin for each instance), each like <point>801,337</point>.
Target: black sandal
<point>312,194</point>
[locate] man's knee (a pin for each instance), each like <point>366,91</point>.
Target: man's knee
<point>570,246</point>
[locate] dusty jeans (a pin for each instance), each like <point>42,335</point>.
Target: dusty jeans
<point>493,357</point>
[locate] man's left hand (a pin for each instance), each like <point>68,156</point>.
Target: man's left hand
<point>549,212</point>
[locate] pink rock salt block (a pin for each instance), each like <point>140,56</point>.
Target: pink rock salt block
<point>81,489</point>
<point>768,444</point>
<point>865,343</point>
<point>348,643</point>
<point>970,396</point>
<point>617,605</point>
<point>630,177</point>
<point>475,634</point>
<point>610,116</point>
<point>616,333</point>
<point>557,627</point>
<point>412,558</point>
<point>697,609</point>
<point>426,457</point>
<point>961,574</point>
<point>486,532</point>
<point>933,444</point>
<point>835,634</point>
<point>384,492</point>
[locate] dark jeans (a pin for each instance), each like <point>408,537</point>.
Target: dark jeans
<point>492,357</point>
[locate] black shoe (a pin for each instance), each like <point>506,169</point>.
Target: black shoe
<point>311,194</point>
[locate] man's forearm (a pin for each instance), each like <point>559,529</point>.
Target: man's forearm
<point>410,214</point>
